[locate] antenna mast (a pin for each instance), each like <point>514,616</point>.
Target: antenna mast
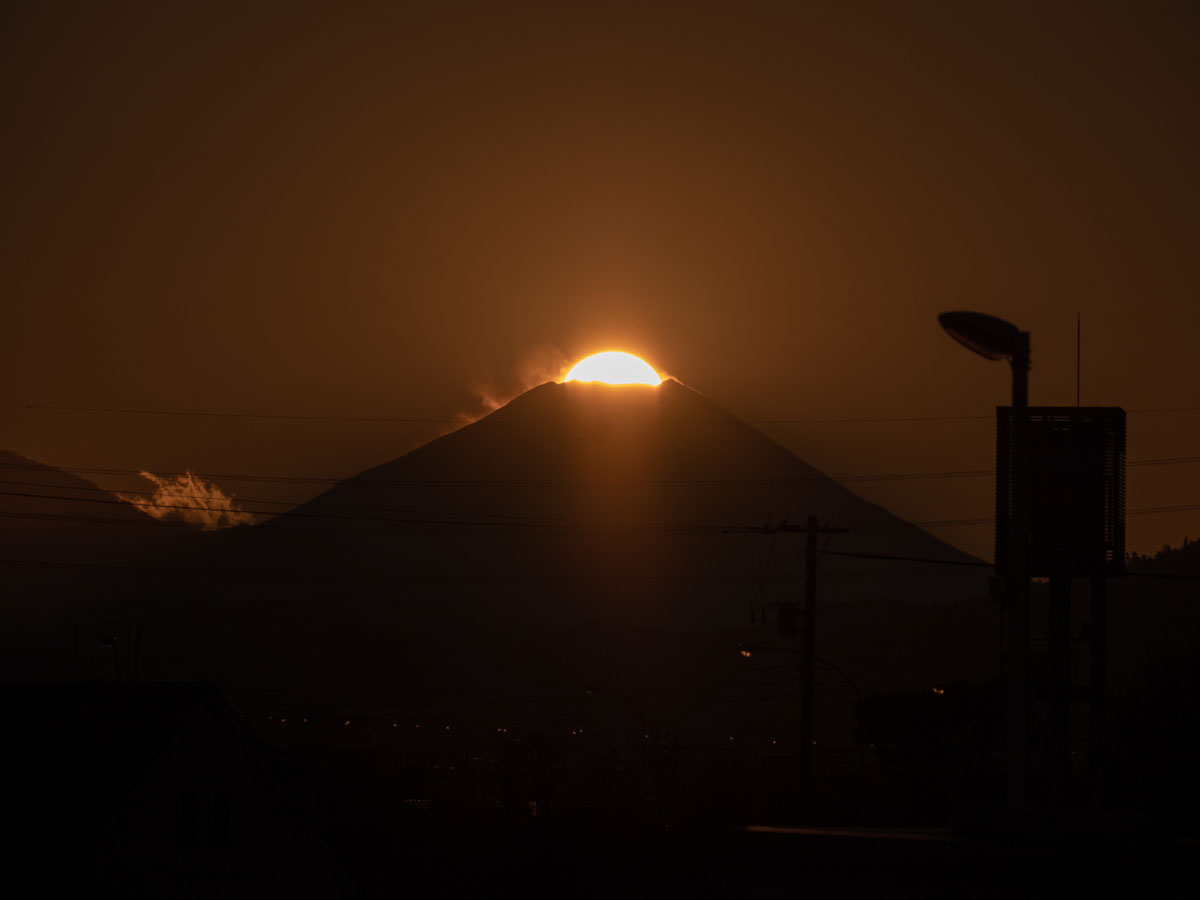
<point>1077,357</point>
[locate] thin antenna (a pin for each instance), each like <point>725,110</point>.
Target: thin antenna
<point>1078,331</point>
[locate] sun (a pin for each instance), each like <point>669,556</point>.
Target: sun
<point>614,367</point>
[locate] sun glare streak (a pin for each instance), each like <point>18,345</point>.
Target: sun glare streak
<point>614,367</point>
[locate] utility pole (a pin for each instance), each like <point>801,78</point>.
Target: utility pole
<point>1056,763</point>
<point>1098,685</point>
<point>811,530</point>
<point>109,641</point>
<point>809,648</point>
<point>1017,614</point>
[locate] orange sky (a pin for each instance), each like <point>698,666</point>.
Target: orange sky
<point>360,210</point>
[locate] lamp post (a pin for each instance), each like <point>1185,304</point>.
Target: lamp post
<point>996,339</point>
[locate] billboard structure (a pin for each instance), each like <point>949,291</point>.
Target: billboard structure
<point>1075,528</point>
<point>1076,490</point>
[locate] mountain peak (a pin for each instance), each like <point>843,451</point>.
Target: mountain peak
<point>634,481</point>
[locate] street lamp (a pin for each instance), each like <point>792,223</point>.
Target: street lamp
<point>996,339</point>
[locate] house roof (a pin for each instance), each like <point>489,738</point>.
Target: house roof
<point>71,752</point>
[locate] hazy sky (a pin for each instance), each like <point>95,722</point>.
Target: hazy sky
<point>386,209</point>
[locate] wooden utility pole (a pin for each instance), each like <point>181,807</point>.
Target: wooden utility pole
<point>809,647</point>
<point>811,531</point>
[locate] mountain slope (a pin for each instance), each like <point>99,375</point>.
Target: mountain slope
<point>581,534</point>
<point>641,497</point>
<point>69,550</point>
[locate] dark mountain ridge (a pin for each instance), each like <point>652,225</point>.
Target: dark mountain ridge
<point>582,481</point>
<point>576,519</point>
<point>65,537</point>
<point>534,544</point>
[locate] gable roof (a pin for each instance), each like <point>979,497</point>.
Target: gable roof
<point>73,751</point>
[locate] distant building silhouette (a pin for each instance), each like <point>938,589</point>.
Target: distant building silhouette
<point>150,790</point>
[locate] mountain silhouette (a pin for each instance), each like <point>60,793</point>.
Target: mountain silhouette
<point>51,519</point>
<point>583,532</point>
<point>39,498</point>
<point>664,449</point>
<point>656,489</point>
<point>71,557</point>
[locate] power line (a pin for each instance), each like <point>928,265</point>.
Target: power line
<point>458,420</point>
<point>487,483</point>
<point>920,559</point>
<point>758,576</point>
<point>311,504</point>
<point>410,420</point>
<point>461,420</point>
<point>531,523</point>
<point>293,513</point>
<point>360,481</point>
<point>335,577</point>
<point>115,499</point>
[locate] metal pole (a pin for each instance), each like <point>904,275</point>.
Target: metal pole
<point>809,651</point>
<point>1098,684</point>
<point>1018,610</point>
<point>1058,691</point>
<point>1079,346</point>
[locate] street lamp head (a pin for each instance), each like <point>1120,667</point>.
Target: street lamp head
<point>986,335</point>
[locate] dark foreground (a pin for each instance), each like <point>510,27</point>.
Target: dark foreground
<point>162,790</point>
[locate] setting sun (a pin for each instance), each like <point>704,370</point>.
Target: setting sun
<point>614,367</point>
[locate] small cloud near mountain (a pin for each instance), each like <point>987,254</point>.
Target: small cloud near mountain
<point>190,500</point>
<point>536,367</point>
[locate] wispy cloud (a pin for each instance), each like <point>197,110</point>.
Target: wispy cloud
<point>536,367</point>
<point>190,499</point>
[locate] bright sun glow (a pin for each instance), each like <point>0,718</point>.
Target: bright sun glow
<point>613,367</point>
